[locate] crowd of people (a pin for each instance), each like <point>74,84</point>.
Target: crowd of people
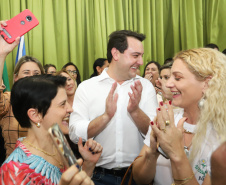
<point>168,123</point>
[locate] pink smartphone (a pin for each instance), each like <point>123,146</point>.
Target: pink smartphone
<point>18,26</point>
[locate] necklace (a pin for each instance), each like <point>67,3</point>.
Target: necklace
<point>189,128</point>
<point>46,153</point>
<point>186,148</point>
<point>39,149</point>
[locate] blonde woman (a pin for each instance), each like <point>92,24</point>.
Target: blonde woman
<point>71,85</point>
<point>198,85</point>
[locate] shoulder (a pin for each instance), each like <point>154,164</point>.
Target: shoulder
<point>19,154</point>
<point>89,82</point>
<point>143,80</point>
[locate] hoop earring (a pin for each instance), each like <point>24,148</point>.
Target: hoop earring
<point>38,125</point>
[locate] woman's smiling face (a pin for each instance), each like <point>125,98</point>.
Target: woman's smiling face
<point>186,89</point>
<point>58,112</point>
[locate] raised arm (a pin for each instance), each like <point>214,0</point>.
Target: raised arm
<point>171,141</point>
<point>88,118</point>
<point>97,125</point>
<point>5,49</point>
<point>140,118</point>
<point>144,167</point>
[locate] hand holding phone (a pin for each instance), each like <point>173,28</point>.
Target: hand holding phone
<point>159,149</point>
<point>18,26</point>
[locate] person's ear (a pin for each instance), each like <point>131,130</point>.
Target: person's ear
<point>115,54</point>
<point>34,116</point>
<point>98,68</point>
<point>206,83</point>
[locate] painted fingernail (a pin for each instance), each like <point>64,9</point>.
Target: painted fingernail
<point>161,103</point>
<point>77,166</point>
<point>170,102</point>
<point>90,149</point>
<point>93,153</point>
<point>152,123</point>
<point>159,109</point>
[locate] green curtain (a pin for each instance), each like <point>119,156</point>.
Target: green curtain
<point>77,30</point>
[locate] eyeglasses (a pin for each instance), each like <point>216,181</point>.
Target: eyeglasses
<point>52,72</point>
<point>72,72</point>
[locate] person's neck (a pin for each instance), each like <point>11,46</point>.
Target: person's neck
<point>70,99</point>
<point>114,74</point>
<point>40,139</point>
<point>192,113</point>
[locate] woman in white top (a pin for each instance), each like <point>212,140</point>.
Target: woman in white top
<point>189,137</point>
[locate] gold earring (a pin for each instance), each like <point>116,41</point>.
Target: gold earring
<point>38,125</point>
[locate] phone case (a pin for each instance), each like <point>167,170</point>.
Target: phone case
<point>62,145</point>
<point>162,152</point>
<point>18,26</point>
<point>159,149</point>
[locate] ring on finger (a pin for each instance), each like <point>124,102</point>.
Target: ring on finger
<point>167,122</point>
<point>163,129</point>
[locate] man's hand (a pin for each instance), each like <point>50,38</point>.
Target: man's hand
<point>111,102</point>
<point>97,125</point>
<point>135,96</point>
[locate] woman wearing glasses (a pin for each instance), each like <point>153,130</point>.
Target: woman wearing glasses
<point>73,70</point>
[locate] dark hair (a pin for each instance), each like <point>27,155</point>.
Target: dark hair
<point>224,51</point>
<point>151,62</point>
<point>78,79</point>
<point>47,66</point>
<point>168,60</point>
<point>211,45</point>
<point>98,62</point>
<point>168,65</point>
<point>118,40</point>
<point>34,92</point>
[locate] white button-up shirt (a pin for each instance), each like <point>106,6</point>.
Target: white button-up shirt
<point>121,139</point>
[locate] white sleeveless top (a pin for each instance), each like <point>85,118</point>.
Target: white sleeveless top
<point>201,164</point>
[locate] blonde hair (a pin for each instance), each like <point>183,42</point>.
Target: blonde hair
<point>25,59</point>
<point>208,63</point>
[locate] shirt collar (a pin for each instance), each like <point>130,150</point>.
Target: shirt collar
<point>104,75</point>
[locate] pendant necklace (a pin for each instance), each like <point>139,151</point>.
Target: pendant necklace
<point>186,149</point>
<point>188,129</point>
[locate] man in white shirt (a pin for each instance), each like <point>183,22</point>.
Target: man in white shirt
<point>115,108</point>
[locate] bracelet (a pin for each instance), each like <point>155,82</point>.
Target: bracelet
<point>184,180</point>
<point>188,178</point>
